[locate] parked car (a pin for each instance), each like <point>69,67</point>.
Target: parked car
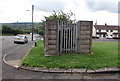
<point>21,39</point>
<point>116,37</point>
<point>109,37</point>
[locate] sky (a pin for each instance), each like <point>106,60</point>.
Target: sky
<point>102,11</point>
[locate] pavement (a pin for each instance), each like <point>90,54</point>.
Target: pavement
<point>15,60</point>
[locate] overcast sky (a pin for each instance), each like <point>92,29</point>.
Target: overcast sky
<point>104,11</point>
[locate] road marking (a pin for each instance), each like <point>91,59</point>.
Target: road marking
<point>12,50</point>
<point>9,53</point>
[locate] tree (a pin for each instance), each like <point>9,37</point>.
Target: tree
<point>6,29</point>
<point>60,15</point>
<point>41,28</point>
<point>13,31</point>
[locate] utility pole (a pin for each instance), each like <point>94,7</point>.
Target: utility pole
<point>32,20</point>
<point>17,24</point>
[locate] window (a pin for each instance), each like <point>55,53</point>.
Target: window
<point>106,30</point>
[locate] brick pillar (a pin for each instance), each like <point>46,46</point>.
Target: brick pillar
<point>85,37</point>
<point>51,37</point>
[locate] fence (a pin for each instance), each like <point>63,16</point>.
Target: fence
<point>62,37</point>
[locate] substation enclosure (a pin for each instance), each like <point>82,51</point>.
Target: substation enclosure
<point>63,37</point>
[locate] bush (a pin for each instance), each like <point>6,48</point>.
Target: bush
<point>41,32</point>
<point>7,30</point>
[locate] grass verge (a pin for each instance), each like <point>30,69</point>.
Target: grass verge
<point>105,55</point>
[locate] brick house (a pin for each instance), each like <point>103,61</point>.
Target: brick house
<point>106,30</point>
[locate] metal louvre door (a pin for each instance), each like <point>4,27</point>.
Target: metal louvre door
<point>67,37</point>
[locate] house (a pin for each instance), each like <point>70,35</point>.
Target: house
<point>102,31</point>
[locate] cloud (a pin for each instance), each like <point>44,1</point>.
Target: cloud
<point>76,2</point>
<point>111,5</point>
<point>49,5</point>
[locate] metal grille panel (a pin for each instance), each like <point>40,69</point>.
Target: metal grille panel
<point>67,37</point>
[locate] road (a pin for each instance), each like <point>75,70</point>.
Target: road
<point>8,72</point>
<point>104,39</point>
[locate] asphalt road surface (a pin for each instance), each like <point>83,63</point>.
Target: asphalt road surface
<point>8,72</point>
<point>104,39</point>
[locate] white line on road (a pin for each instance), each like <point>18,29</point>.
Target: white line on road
<point>9,53</point>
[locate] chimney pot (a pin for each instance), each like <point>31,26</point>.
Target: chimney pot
<point>95,23</point>
<point>105,24</point>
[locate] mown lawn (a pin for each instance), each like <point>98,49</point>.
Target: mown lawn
<point>105,54</point>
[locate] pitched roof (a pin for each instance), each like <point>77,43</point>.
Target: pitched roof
<point>107,27</point>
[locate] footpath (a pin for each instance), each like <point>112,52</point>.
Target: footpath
<point>15,59</point>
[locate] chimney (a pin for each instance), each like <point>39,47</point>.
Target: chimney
<point>105,24</point>
<point>95,24</point>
